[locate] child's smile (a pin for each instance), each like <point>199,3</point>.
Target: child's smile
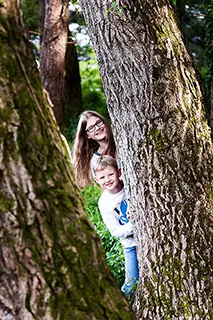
<point>108,178</point>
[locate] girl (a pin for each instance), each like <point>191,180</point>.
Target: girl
<point>93,138</point>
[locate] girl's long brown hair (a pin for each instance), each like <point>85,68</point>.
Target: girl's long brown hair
<point>84,148</point>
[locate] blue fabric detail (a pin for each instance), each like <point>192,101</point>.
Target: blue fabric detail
<point>123,211</point>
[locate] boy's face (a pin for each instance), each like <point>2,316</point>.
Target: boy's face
<point>108,179</point>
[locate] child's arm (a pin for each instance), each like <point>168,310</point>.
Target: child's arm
<point>115,228</point>
<point>122,231</point>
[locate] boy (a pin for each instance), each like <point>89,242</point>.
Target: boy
<point>113,208</point>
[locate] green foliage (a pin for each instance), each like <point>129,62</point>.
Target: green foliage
<point>92,92</point>
<point>30,14</point>
<point>112,246</point>
<point>115,7</point>
<point>70,131</point>
<point>191,14</point>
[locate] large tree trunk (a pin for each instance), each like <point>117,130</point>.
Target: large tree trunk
<point>52,265</point>
<point>53,40</point>
<point>156,106</point>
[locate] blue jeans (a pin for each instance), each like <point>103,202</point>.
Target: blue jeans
<point>131,271</point>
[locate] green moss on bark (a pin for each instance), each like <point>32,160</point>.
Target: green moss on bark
<point>158,139</point>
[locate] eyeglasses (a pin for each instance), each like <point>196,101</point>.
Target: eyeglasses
<point>98,124</point>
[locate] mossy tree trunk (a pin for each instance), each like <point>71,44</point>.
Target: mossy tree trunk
<point>52,264</point>
<point>156,105</point>
<point>53,43</point>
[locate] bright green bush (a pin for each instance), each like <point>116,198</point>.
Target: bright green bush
<point>92,92</point>
<point>112,246</point>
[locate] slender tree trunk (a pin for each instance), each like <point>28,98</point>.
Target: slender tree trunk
<point>156,105</point>
<point>53,48</point>
<point>72,85</point>
<point>52,265</point>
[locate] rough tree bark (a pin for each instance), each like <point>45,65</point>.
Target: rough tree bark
<point>53,40</point>
<point>52,264</point>
<point>156,105</point>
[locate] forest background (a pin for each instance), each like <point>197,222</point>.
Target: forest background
<point>86,93</point>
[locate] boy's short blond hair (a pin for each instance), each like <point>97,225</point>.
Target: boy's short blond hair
<point>103,162</point>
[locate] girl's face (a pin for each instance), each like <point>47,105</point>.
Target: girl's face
<point>95,128</point>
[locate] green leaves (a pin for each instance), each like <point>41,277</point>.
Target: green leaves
<point>115,8</point>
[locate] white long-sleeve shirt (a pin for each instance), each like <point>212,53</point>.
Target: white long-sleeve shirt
<point>113,208</point>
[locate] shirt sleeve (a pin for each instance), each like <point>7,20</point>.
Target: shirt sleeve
<point>115,228</point>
